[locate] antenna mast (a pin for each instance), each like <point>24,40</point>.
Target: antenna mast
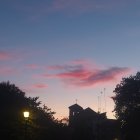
<point>101,101</point>
<point>76,101</point>
<point>104,100</point>
<point>98,104</point>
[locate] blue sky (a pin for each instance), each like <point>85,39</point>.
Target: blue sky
<point>63,50</point>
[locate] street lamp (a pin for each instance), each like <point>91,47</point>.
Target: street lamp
<point>26,116</point>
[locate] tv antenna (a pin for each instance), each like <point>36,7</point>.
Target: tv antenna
<point>102,101</point>
<point>99,103</point>
<point>76,101</point>
<point>104,109</point>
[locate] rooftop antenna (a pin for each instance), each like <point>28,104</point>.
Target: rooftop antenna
<point>99,104</point>
<point>104,100</point>
<point>76,101</point>
<point>101,101</point>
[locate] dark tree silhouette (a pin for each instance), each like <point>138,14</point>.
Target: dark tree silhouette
<point>12,103</point>
<point>127,105</point>
<point>41,124</point>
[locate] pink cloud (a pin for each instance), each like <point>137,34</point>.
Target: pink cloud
<point>5,56</point>
<point>40,86</point>
<point>82,76</point>
<point>56,67</point>
<point>10,55</point>
<point>34,88</point>
<point>104,76</point>
<point>5,71</point>
<point>32,66</point>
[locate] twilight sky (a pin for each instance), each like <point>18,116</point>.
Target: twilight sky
<point>63,50</point>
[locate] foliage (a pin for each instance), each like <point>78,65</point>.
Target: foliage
<point>127,103</point>
<point>41,124</point>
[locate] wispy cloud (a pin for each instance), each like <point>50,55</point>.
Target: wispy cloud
<point>56,67</point>
<point>34,88</point>
<point>32,66</point>
<point>82,76</point>
<point>6,71</point>
<point>10,55</point>
<point>40,86</point>
<point>104,76</point>
<point>5,56</point>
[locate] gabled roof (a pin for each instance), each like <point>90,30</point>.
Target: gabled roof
<point>75,107</point>
<point>89,112</point>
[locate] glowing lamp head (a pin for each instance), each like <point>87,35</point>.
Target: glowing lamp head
<point>26,114</point>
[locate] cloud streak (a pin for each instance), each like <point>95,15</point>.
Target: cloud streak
<point>40,86</point>
<point>82,76</point>
<point>6,71</point>
<point>5,56</point>
<point>32,66</point>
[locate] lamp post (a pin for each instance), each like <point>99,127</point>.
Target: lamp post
<point>26,116</point>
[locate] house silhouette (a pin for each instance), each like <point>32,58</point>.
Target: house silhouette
<point>92,125</point>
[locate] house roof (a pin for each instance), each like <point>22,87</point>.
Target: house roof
<point>89,112</point>
<point>75,107</point>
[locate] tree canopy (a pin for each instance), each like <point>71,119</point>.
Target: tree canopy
<point>127,96</point>
<point>127,105</point>
<point>41,123</point>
